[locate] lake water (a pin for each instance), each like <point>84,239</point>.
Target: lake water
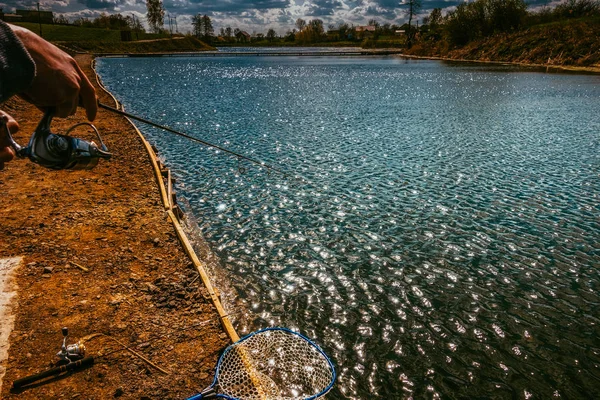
<point>440,236</point>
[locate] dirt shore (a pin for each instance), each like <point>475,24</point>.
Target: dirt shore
<point>101,256</point>
<point>547,67</point>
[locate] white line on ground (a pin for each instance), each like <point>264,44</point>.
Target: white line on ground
<point>8,290</point>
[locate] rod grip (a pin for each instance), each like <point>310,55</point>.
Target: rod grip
<point>72,366</point>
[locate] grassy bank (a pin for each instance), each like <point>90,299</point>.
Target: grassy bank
<point>176,45</point>
<point>283,43</point>
<point>95,40</point>
<point>573,43</point>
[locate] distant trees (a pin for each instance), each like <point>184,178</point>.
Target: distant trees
<point>208,27</point>
<point>483,18</point>
<point>226,32</point>
<point>567,10</point>
<point>578,8</point>
<point>290,36</point>
<point>58,19</point>
<point>136,26</point>
<point>300,24</point>
<point>435,18</point>
<point>203,27</point>
<point>469,21</point>
<point>155,15</point>
<point>197,25</point>
<point>343,30</point>
<point>312,32</point>
<point>110,21</point>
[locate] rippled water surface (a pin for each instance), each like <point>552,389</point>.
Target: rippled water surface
<point>443,239</point>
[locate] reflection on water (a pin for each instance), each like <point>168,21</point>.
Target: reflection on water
<point>441,237</point>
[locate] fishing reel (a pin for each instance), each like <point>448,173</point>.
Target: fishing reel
<point>72,352</point>
<point>56,151</point>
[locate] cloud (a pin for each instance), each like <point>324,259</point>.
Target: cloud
<point>319,8</point>
<point>230,6</point>
<point>108,5</point>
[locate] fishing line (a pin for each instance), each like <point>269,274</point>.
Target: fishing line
<point>185,135</point>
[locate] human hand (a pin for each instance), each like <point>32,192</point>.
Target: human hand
<point>58,82</point>
<point>6,151</point>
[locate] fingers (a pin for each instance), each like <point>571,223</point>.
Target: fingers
<point>13,126</point>
<point>84,95</point>
<point>59,81</point>
<point>88,96</point>
<point>67,108</point>
<point>6,154</point>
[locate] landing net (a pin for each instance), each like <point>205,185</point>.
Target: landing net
<point>274,363</point>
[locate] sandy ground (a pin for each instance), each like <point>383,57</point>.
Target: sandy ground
<point>101,256</point>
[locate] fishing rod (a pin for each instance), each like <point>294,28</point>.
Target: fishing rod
<point>165,128</point>
<point>72,356</point>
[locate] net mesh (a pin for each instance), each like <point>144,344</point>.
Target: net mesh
<point>274,364</point>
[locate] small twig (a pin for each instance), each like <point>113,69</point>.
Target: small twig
<point>81,267</point>
<point>128,349</point>
<point>193,280</point>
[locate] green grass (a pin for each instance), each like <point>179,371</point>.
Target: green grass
<point>67,33</point>
<point>96,40</point>
<point>186,44</point>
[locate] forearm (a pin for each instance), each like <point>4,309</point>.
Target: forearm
<point>17,68</point>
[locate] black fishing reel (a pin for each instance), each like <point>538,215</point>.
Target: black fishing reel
<point>56,151</point>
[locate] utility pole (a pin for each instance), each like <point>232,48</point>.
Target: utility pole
<point>39,18</point>
<point>176,30</point>
<point>135,26</point>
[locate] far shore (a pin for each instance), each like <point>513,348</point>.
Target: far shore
<point>363,52</point>
<point>548,67</point>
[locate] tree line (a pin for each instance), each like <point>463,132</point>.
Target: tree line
<point>155,18</point>
<point>484,18</point>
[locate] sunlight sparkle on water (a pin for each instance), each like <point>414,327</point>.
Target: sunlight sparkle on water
<point>456,199</point>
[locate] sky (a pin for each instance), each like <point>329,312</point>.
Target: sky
<point>254,16</point>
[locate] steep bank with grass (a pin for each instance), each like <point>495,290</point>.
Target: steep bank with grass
<point>96,40</point>
<point>568,43</point>
<point>172,45</point>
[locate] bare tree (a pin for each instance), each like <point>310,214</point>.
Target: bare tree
<point>373,22</point>
<point>300,24</point>
<point>414,6</point>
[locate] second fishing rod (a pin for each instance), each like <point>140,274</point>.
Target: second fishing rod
<point>192,138</point>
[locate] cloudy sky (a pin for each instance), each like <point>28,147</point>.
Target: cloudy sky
<point>250,15</point>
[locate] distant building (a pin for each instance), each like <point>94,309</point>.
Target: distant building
<point>45,17</point>
<point>10,17</point>
<point>400,32</point>
<point>243,36</point>
<point>365,31</point>
<point>366,28</point>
